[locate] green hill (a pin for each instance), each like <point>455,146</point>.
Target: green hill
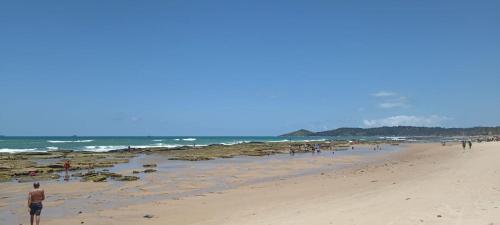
<point>301,132</point>
<point>401,131</point>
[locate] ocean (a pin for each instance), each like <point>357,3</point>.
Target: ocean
<point>14,144</point>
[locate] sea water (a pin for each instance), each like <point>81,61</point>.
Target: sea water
<point>13,144</point>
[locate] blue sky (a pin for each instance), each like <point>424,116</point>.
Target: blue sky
<point>246,67</point>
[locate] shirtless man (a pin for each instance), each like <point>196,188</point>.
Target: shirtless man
<point>35,198</point>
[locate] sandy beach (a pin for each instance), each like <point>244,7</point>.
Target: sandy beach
<point>250,113</point>
<point>419,184</point>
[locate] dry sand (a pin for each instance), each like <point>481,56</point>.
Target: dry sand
<point>423,184</point>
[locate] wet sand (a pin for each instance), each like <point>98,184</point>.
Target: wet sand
<point>421,184</point>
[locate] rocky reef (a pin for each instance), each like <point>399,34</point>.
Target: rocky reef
<point>28,166</point>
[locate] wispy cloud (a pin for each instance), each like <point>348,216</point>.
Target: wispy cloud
<point>391,100</point>
<point>404,120</point>
<point>398,102</point>
<point>384,94</point>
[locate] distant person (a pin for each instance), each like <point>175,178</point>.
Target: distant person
<point>463,144</point>
<point>66,169</point>
<point>35,198</point>
<point>66,166</point>
<point>470,144</point>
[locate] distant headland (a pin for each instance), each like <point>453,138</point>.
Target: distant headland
<point>399,131</point>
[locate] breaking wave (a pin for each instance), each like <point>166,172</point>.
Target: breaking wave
<point>15,150</point>
<point>77,141</point>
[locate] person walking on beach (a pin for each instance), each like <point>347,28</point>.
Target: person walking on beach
<point>35,198</point>
<point>470,144</point>
<point>463,144</point>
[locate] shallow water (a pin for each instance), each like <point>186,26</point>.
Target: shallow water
<point>102,144</point>
<point>178,179</point>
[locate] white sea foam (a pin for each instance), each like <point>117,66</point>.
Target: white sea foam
<point>395,138</point>
<point>103,148</point>
<point>14,150</point>
<point>160,145</point>
<point>284,140</point>
<point>52,148</point>
<point>77,141</point>
<point>189,139</point>
<point>234,142</point>
<point>310,140</point>
<point>106,148</point>
<point>158,140</point>
<point>177,139</point>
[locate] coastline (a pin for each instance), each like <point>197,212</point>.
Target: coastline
<point>174,179</point>
<point>48,165</point>
<point>418,183</point>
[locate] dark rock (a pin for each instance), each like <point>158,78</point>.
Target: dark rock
<point>149,171</point>
<point>127,178</point>
<point>94,178</point>
<point>109,174</point>
<point>54,166</point>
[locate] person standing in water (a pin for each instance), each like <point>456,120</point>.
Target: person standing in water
<point>35,198</point>
<point>66,170</point>
<point>66,166</point>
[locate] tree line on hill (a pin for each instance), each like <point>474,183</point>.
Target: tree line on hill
<point>400,131</point>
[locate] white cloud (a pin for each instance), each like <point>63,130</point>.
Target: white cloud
<point>400,101</point>
<point>391,100</point>
<point>388,105</point>
<point>384,94</point>
<point>404,120</point>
